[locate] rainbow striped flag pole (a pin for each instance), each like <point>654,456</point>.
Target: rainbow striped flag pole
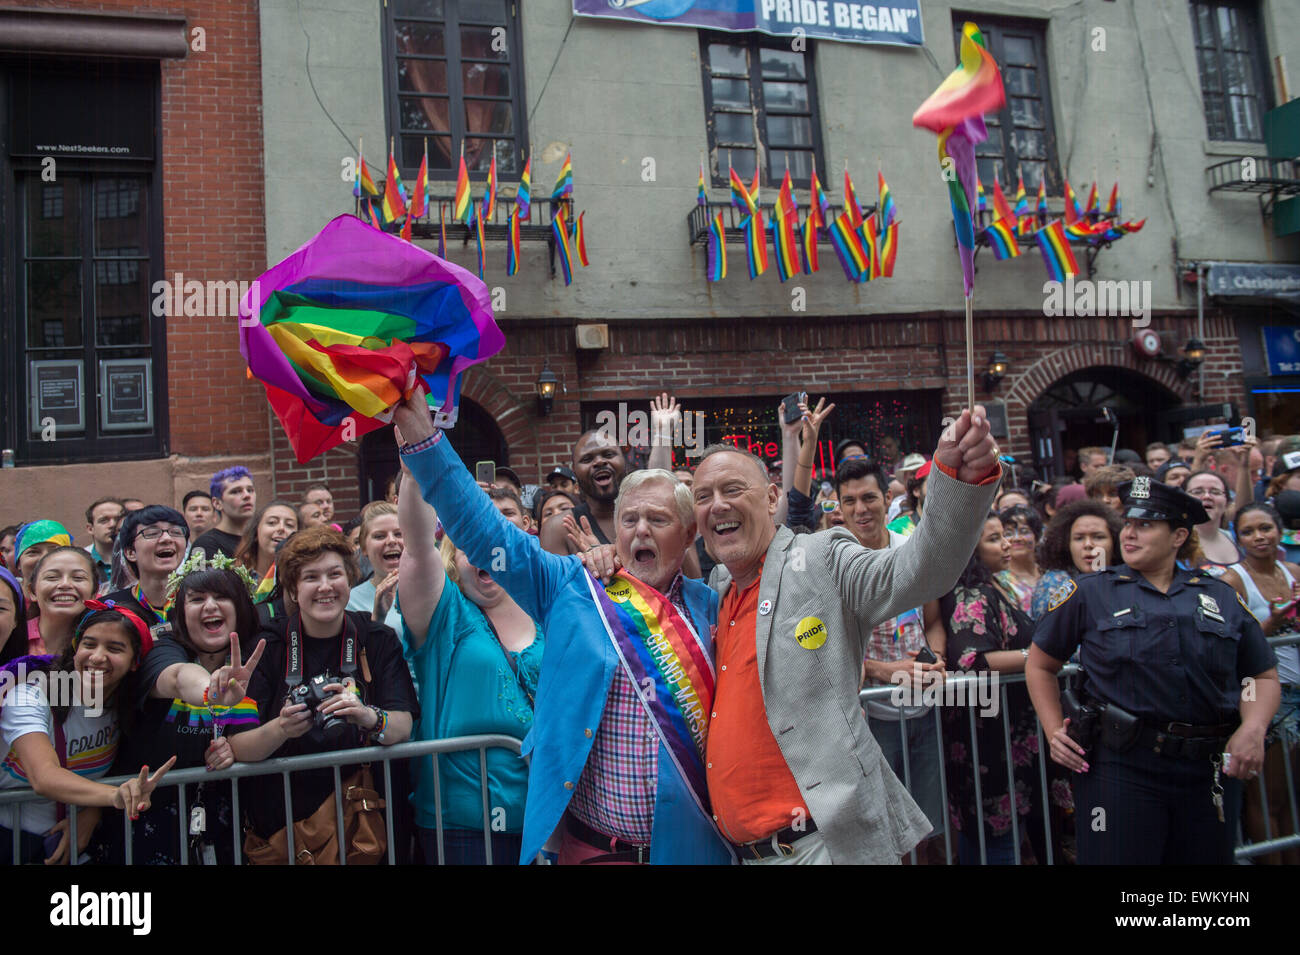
<point>955,111</point>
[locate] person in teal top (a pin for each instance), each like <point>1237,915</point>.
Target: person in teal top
<point>476,656</point>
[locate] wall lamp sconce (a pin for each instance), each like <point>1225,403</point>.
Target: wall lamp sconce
<point>996,371</point>
<point>546,384</point>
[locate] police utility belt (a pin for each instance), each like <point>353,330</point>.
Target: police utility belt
<point>1093,720</point>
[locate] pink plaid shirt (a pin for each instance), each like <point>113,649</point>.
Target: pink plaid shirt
<point>616,791</point>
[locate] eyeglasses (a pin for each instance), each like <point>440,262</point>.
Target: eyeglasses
<point>1207,492</point>
<point>153,533</point>
<point>829,507</point>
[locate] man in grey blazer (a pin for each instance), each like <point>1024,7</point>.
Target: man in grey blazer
<point>794,773</point>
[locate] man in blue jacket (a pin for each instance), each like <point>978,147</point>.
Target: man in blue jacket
<point>625,691</point>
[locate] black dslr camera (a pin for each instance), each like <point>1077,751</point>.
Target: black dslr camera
<point>313,693</point>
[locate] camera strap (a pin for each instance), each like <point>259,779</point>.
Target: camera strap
<point>293,660</point>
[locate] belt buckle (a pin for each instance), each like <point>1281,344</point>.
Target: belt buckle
<point>1184,726</point>
<point>1160,740</point>
<point>785,849</point>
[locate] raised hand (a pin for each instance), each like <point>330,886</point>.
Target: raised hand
<point>665,413</point>
<point>812,420</point>
<point>229,684</point>
<point>967,447</point>
<point>412,418</point>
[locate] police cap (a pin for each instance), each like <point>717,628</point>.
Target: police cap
<point>1153,501</point>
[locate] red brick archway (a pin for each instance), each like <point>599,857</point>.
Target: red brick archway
<point>1056,364</point>
<point>512,417</point>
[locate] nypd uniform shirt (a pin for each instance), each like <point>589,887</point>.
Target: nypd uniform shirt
<point>1168,657</point>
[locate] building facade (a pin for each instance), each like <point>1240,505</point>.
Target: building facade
<point>1144,93</point>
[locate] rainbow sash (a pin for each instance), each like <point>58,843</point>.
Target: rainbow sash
<point>669,667</point>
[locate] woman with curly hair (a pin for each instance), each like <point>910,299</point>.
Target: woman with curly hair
<point>1083,537</point>
<point>988,632</point>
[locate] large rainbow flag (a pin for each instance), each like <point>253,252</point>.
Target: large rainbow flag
<point>343,328</point>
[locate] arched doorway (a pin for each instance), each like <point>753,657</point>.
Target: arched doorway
<point>1071,414</point>
<point>476,438</point>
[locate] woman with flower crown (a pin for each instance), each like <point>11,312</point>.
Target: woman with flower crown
<point>187,698</point>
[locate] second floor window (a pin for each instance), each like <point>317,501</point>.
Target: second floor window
<point>455,78</point>
<point>1022,135</point>
<point>760,100</point>
<point>1230,58</point>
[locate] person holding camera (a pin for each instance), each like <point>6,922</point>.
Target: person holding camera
<point>330,679</point>
<point>1179,691</point>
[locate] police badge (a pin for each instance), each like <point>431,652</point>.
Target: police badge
<point>1141,487</point>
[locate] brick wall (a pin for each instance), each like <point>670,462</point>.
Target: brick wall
<point>213,224</point>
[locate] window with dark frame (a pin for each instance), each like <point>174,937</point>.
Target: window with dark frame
<point>1022,135</point>
<point>1231,59</point>
<point>760,101</point>
<point>85,256</point>
<point>454,78</point>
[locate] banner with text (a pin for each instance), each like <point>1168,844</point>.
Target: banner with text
<point>898,23</point>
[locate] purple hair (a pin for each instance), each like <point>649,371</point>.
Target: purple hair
<point>228,476</point>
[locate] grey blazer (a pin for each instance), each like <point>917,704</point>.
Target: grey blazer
<point>826,594</point>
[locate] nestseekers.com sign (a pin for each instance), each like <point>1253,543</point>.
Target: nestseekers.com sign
<point>897,23</point>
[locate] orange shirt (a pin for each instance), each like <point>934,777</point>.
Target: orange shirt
<point>754,794</point>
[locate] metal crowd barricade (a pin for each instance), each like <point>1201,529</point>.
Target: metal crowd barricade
<point>963,686</point>
<point>285,767</point>
<point>1070,673</point>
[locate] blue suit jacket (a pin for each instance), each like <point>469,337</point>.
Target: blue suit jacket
<point>577,668</point>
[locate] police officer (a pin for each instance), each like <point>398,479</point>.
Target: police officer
<point>1166,715</point>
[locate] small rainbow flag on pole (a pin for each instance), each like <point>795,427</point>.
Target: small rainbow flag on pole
<point>463,208</point>
<point>717,249</point>
<point>580,240</point>
<point>419,197</point>
<point>981,201</point>
<point>564,181</point>
<point>1001,206</point>
<point>886,210</point>
<point>1057,254</point>
<point>490,195</point>
<point>755,242</point>
<point>1112,204</point>
<point>363,179</point>
<point>851,201</point>
<point>820,205</point>
<point>406,228</point>
<point>512,247</point>
<point>394,204</point>
<point>1094,202</point>
<point>785,215</point>
<point>848,246</point>
<point>740,197</point>
<point>702,195</point>
<point>756,188</point>
<point>808,250</point>
<point>1023,225</point>
<point>889,250</point>
<point>1002,240</point>
<point>442,234</point>
<point>560,236</point>
<point>872,247</point>
<point>374,221</point>
<point>1072,210</point>
<point>524,195</point>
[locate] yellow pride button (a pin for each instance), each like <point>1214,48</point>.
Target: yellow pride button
<point>810,632</point>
